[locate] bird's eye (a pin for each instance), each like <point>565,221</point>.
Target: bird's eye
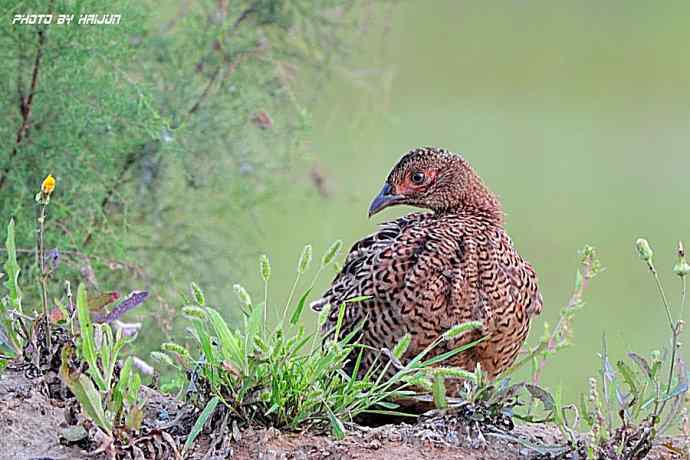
<point>417,178</point>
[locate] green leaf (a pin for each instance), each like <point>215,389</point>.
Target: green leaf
<point>449,354</point>
<point>133,388</point>
<point>359,298</point>
<point>337,426</point>
<point>339,322</point>
<point>229,343</point>
<point>121,387</point>
<point>200,422</point>
<point>192,311</point>
<point>297,313</point>
<point>87,345</point>
<point>629,377</point>
<point>542,395</point>
<point>585,412</point>
<point>84,390</point>
<point>92,404</point>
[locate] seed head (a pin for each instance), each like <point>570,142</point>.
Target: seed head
<point>304,259</point>
<point>681,268</point>
<point>265,267</point>
<point>459,329</point>
<point>198,294</point>
<point>242,294</point>
<point>331,253</point>
<point>644,249</point>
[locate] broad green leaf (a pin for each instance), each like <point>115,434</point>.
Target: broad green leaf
<point>229,343</point>
<point>84,390</point>
<point>88,347</point>
<point>92,404</point>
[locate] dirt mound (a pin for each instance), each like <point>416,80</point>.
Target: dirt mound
<point>36,427</point>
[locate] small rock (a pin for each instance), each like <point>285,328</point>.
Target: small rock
<point>73,434</point>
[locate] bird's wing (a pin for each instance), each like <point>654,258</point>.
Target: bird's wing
<point>513,284</point>
<point>354,279</point>
<point>407,265</point>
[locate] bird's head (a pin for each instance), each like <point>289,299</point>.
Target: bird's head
<point>438,180</point>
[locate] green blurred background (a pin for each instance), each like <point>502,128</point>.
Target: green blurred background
<point>576,115</point>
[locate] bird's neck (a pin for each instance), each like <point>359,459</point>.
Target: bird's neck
<point>476,199</point>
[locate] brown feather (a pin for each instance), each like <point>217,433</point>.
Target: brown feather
<point>426,272</point>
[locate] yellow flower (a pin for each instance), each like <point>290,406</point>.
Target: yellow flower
<point>48,185</point>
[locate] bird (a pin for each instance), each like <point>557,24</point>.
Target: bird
<point>427,271</point>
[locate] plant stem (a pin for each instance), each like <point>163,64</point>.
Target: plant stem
<point>683,296</point>
<point>265,306</point>
<point>663,295</point>
<point>674,331</point>
<point>40,260</point>
<point>292,294</point>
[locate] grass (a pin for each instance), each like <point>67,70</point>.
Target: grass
<point>641,397</point>
<point>286,377</point>
<point>270,371</point>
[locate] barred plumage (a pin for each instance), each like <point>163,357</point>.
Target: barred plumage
<point>426,272</point>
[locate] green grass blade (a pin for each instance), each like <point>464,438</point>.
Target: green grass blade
<point>200,422</point>
<point>297,313</point>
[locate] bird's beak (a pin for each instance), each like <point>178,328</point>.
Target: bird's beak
<point>384,199</point>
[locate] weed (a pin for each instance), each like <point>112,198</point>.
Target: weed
<point>86,338</point>
<point>641,397</point>
<point>284,377</point>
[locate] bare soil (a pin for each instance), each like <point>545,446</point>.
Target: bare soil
<point>34,426</point>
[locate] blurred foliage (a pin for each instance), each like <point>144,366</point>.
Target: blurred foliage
<point>181,103</point>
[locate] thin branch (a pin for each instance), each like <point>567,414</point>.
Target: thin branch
<point>26,102</point>
<point>130,160</point>
<point>217,45</point>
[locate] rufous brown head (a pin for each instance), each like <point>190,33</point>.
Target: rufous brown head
<point>435,179</point>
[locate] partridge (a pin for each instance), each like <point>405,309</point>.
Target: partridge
<point>428,271</point>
